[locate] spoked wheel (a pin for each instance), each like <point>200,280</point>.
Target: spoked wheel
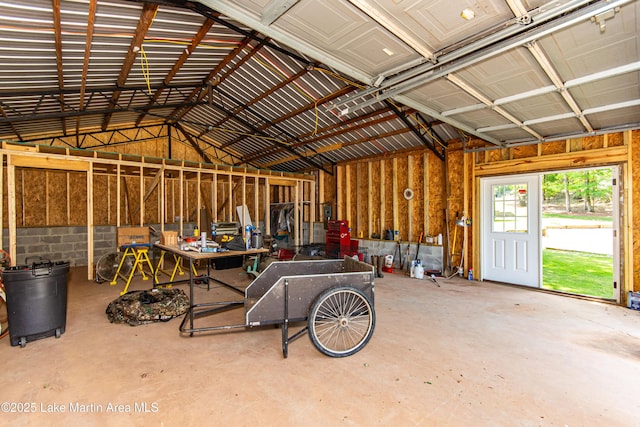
<point>107,266</point>
<point>341,321</point>
<point>5,259</point>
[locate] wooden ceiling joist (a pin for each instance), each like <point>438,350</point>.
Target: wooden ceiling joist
<point>144,23</point>
<point>58,43</point>
<point>91,18</point>
<point>198,93</point>
<point>197,39</point>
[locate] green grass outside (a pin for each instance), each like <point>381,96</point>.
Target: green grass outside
<point>585,217</point>
<point>578,273</point>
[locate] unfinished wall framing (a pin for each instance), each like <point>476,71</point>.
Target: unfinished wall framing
<point>46,186</point>
<point>370,194</point>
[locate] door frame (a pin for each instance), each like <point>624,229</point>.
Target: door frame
<point>619,204</point>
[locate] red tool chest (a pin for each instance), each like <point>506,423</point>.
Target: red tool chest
<point>338,239</point>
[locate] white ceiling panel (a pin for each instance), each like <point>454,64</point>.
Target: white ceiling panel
<point>442,95</point>
<point>514,72</point>
<point>537,107</point>
<point>614,118</point>
<point>583,49</point>
<point>439,23</point>
<point>613,90</point>
<point>558,127</point>
<point>341,30</point>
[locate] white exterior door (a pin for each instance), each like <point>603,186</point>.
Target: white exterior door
<point>511,229</point>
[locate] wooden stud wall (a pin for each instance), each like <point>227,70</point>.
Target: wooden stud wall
<point>370,195</point>
<point>53,186</point>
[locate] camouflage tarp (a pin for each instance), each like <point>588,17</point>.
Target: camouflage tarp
<point>140,307</point>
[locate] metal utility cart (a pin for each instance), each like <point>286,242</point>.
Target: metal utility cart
<point>334,297</point>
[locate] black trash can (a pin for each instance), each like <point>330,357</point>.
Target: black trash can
<point>36,300</point>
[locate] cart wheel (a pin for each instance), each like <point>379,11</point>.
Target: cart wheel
<point>341,321</point>
<point>23,342</point>
<point>58,332</point>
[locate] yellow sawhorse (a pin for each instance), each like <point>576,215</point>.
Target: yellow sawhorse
<point>140,253</point>
<point>177,268</point>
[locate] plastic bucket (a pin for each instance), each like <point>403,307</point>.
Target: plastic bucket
<point>388,261</point>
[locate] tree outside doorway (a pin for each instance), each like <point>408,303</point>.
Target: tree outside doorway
<point>577,239</point>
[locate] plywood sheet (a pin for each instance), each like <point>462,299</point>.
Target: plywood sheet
<point>34,197</point>
<point>375,198</point>
<point>388,195</point>
<point>617,139</point>
<point>592,142</point>
<point>418,198</point>
<point>403,204</point>
<point>555,147</point>
<point>78,198</point>
<point>524,151</point>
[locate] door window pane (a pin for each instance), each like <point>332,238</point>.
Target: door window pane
<point>510,208</point>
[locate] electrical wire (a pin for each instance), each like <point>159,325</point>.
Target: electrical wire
<point>144,64</point>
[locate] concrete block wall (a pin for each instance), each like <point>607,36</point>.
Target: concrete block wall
<point>67,244</point>
<point>52,243</point>
<point>431,256</point>
<point>70,243</point>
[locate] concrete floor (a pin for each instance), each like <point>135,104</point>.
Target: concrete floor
<point>460,354</point>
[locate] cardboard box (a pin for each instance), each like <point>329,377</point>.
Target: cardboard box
<point>132,235</point>
<point>169,238</point>
<point>633,301</point>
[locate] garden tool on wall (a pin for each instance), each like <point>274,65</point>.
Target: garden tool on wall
<point>418,247</point>
<point>460,222</point>
<point>446,249</point>
<point>398,250</point>
<point>404,262</point>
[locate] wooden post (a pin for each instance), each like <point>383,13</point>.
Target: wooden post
<point>11,208</point>
<point>339,187</point>
<point>321,196</point>
<point>230,199</point>
<point>425,193</point>
<point>118,195</point>
<point>396,218</point>
<point>312,211</point>
<point>465,208</point>
<point>629,261</point>
<point>296,215</point>
<point>267,207</point>
<point>162,200</point>
<point>90,234</point>
<point>256,201</point>
<point>214,197</point>
<point>198,201</point>
<point>370,225</point>
<point>410,202</point>
<point>358,226</point>
<point>383,212</point>
<point>181,199</point>
<point>348,195</point>
<point>141,200</point>
<point>244,200</point>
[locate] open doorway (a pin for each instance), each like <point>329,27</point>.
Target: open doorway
<point>579,232</point>
<point>555,231</point>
